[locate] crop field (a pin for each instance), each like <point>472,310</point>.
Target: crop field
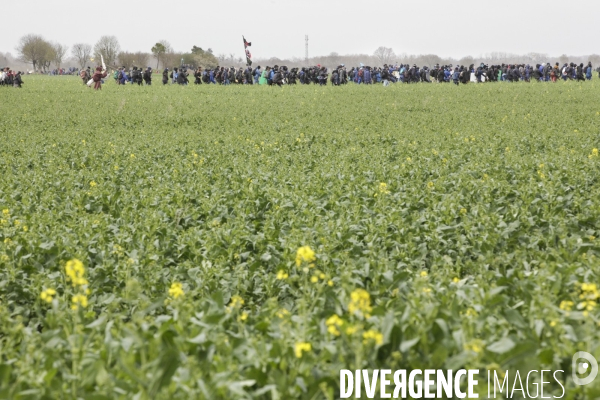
<point>209,242</point>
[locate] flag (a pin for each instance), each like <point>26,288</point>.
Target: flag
<point>248,55</point>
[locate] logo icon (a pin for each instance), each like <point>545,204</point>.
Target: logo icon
<point>583,367</point>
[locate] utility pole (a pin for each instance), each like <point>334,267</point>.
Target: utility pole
<point>306,49</point>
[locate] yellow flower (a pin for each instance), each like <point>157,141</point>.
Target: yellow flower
<point>176,290</point>
<point>333,323</point>
<point>566,305</point>
<point>374,335</point>
<point>595,152</point>
<point>281,274</point>
<point>314,279</point>
<point>455,280</point>
<point>475,345</point>
<point>383,188</point>
<point>25,228</point>
<point>301,347</point>
<point>7,241</point>
<point>47,294</point>
<point>75,272</point>
<point>305,254</point>
<point>93,184</point>
<point>282,313</point>
<point>470,312</point>
<point>330,283</point>
<point>236,301</point>
<point>463,211</point>
<point>360,301</point>
<point>132,155</point>
<point>3,222</point>
<point>79,300</point>
<point>351,330</point>
<point>423,274</point>
<point>243,316</point>
<point>5,211</point>
<point>430,185</point>
<point>17,222</point>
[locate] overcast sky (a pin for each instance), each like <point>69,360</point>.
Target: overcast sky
<point>276,28</point>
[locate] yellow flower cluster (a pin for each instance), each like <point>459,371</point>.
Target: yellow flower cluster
<point>236,301</point>
<point>373,335</point>
<point>430,185</point>
<point>301,347</point>
<point>594,153</point>
<point>333,323</point>
<point>281,274</point>
<point>48,295</point>
<point>93,184</point>
<point>475,345</point>
<point>383,188</point>
<point>566,305</point>
<point>176,290</point>
<point>79,300</point>
<point>360,301</point>
<point>5,212</point>
<point>75,272</point>
<point>540,172</point>
<point>305,254</point>
<point>589,295</point>
<point>282,313</point>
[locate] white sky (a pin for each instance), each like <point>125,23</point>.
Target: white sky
<point>276,28</point>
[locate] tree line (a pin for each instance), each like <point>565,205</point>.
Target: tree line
<point>41,54</point>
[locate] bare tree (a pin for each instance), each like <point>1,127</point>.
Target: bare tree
<point>81,52</point>
<point>32,49</point>
<point>59,53</point>
<point>108,47</point>
<point>384,54</point>
<point>159,49</point>
<point>48,56</point>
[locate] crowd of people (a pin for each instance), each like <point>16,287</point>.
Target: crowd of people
<point>10,78</point>
<point>320,75</point>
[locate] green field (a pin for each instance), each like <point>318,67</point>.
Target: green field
<point>452,227</point>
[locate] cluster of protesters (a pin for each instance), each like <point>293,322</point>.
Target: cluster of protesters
<point>320,75</point>
<point>10,78</point>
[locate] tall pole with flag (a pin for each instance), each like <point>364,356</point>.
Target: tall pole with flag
<point>248,55</point>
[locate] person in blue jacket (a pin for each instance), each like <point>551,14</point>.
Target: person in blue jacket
<point>455,76</point>
<point>588,71</point>
<point>367,76</point>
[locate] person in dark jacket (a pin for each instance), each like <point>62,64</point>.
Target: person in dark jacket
<point>17,80</point>
<point>182,77</point>
<point>165,76</point>
<point>198,76</point>
<point>148,76</point>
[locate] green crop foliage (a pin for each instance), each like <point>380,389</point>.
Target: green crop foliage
<point>452,227</point>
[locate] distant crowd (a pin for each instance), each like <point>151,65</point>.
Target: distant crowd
<point>9,78</point>
<point>341,75</point>
<point>320,75</point>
